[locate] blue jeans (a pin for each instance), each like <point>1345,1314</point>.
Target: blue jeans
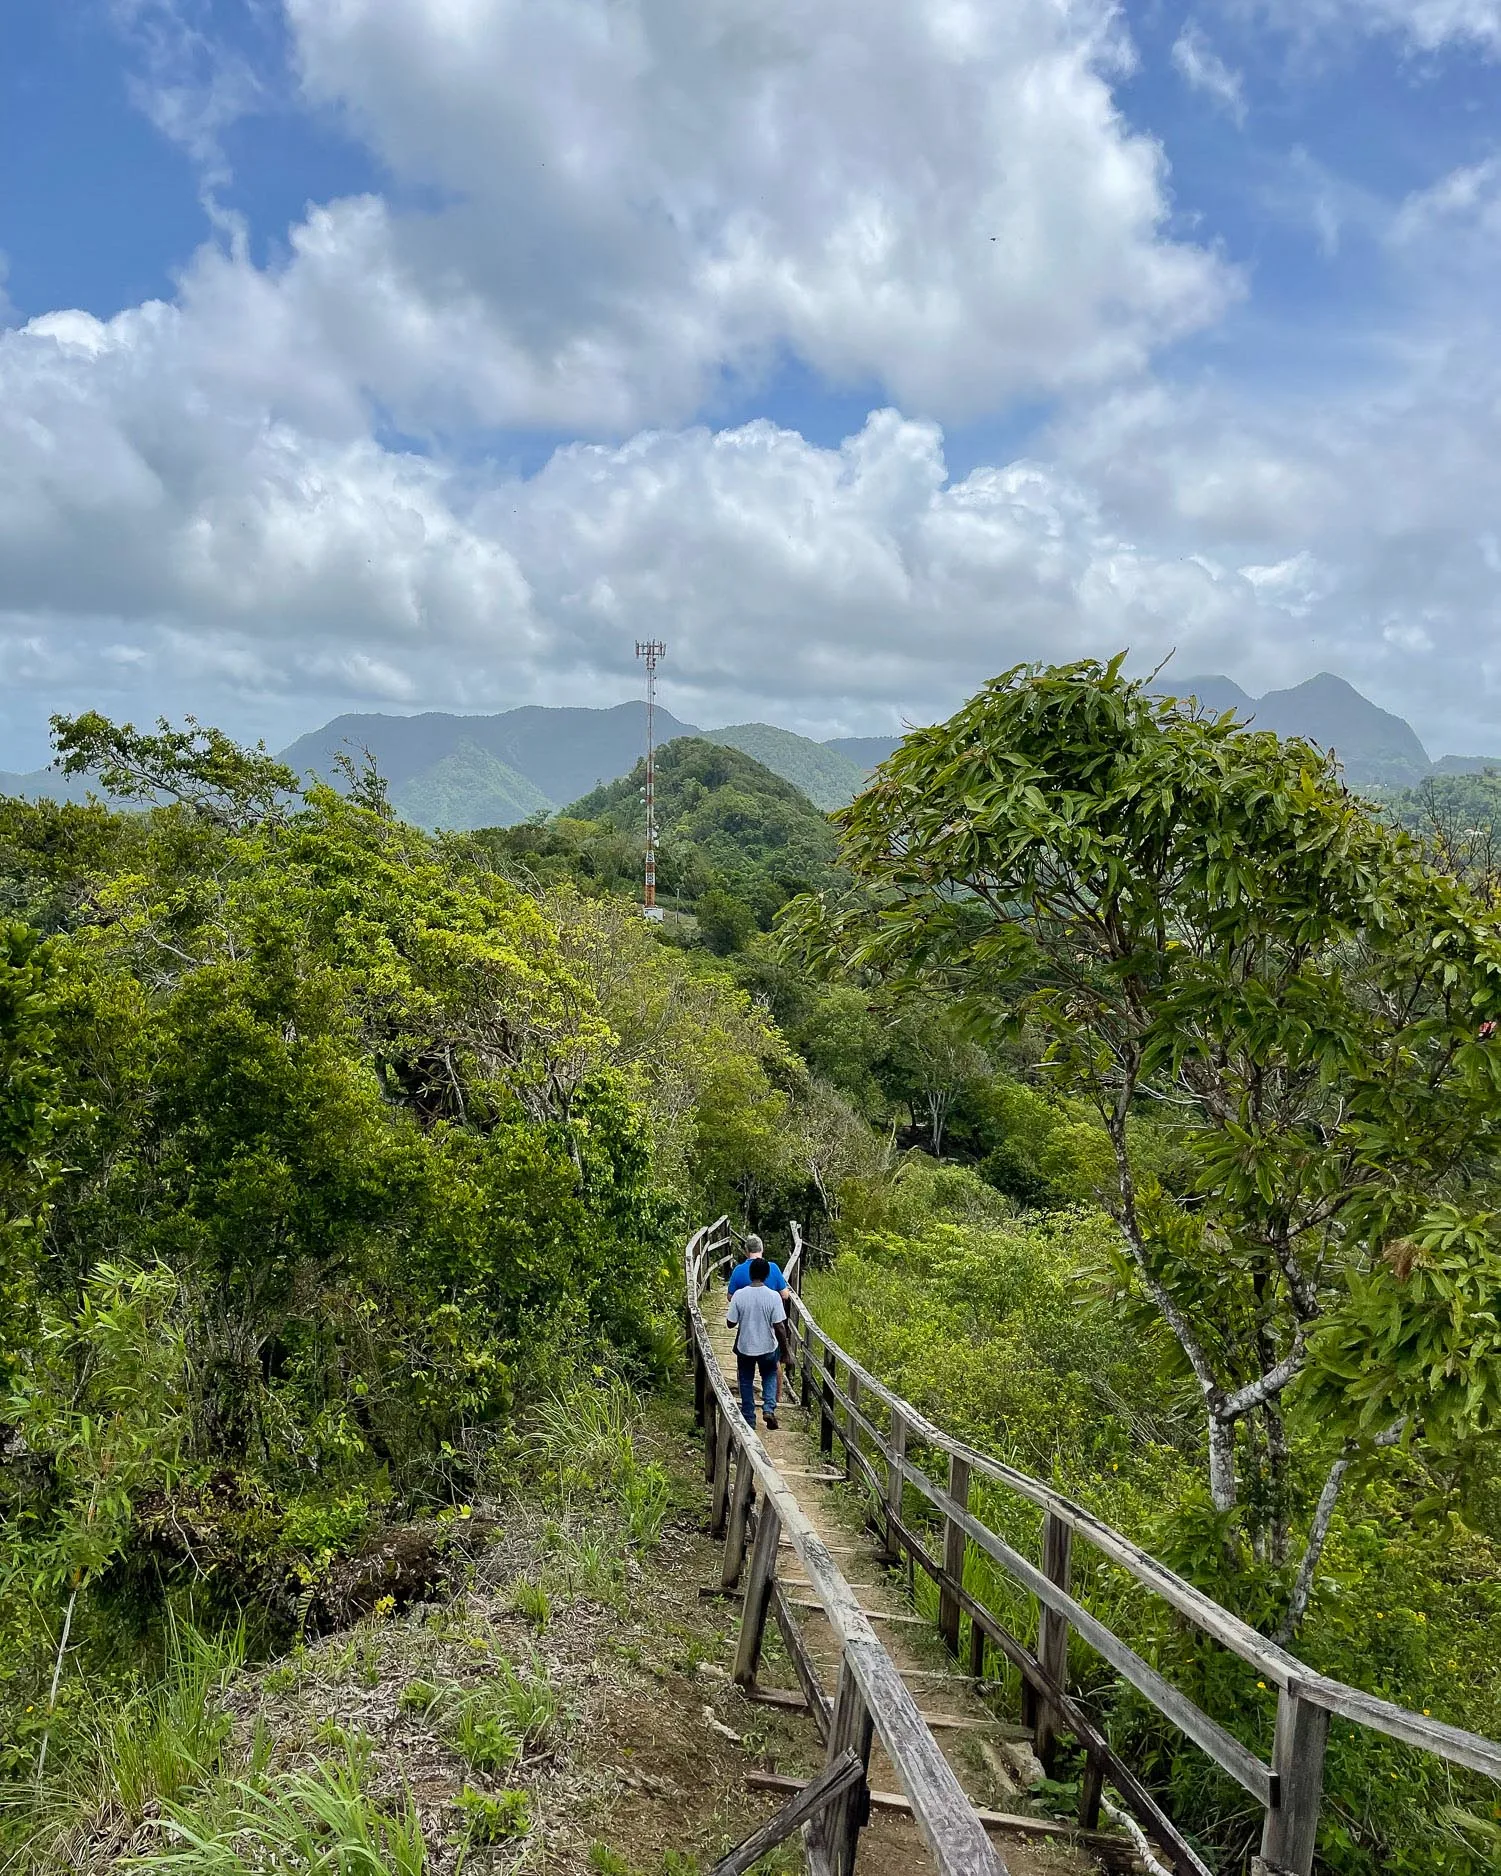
<point>745,1369</point>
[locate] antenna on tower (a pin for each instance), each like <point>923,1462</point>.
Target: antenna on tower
<point>651,650</point>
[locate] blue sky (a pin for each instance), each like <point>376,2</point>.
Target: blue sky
<point>420,353</point>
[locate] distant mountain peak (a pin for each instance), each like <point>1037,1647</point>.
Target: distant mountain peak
<point>1373,746</point>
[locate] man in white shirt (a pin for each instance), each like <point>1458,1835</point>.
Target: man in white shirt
<point>759,1319</point>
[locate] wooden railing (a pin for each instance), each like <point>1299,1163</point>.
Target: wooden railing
<point>870,1701</point>
<point>848,1402</point>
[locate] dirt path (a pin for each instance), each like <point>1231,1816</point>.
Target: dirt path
<point>890,1846</point>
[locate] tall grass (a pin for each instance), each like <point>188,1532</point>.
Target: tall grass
<point>115,1762</point>
<point>320,1822</point>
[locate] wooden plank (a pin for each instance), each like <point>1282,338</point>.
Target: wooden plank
<point>802,1662</point>
<point>1118,1852</point>
<point>871,1615</point>
<point>822,1793</point>
<point>1221,1746</point>
<point>801,1582</point>
<point>1291,1830</point>
<point>780,1697</point>
<point>1413,1729</point>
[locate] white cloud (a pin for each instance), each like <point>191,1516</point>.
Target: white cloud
<point>1202,69</point>
<point>196,511</point>
<point>937,197</point>
<point>1462,207</point>
<point>1424,25</point>
<point>182,539</point>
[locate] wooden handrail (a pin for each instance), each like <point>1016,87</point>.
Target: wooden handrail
<point>1281,1669</point>
<point>872,1697</point>
<point>1288,1789</point>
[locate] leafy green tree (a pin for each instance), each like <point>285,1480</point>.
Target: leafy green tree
<point>724,922</point>
<point>933,1061</point>
<point>1201,918</point>
<point>842,1040</point>
<point>200,767</point>
<point>29,1088</point>
<point>98,1410</point>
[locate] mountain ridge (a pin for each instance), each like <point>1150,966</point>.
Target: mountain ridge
<point>462,772</point>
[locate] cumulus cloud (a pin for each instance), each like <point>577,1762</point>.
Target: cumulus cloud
<point>169,525</point>
<point>935,200</point>
<point>1202,69</point>
<point>934,197</point>
<point>1367,517</point>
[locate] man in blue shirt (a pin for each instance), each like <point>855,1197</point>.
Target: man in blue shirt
<point>740,1276</point>
<point>759,1320</point>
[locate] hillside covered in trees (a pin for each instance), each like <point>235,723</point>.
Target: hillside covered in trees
<point>735,841</point>
<point>1133,1077</point>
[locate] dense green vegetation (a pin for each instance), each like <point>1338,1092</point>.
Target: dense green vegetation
<point>1458,817</point>
<point>826,776</point>
<point>1133,1076</point>
<point>324,1149</point>
<point>1221,951</point>
<point>735,841</point>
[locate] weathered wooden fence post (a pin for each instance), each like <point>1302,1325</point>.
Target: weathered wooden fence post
<point>894,1466</point>
<point>851,1430</point>
<point>851,1730</point>
<point>826,1408</point>
<point>1052,1629</point>
<point>734,1544</point>
<point>976,1650</point>
<point>711,1444</point>
<point>954,1542</point>
<point>722,1449</point>
<point>700,1387</point>
<point>1292,1824</point>
<point>758,1587</point>
<point>1091,1789</point>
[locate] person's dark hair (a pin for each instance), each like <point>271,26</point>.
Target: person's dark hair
<point>760,1270</point>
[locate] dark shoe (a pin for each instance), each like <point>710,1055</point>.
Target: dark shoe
<point>771,1423</point>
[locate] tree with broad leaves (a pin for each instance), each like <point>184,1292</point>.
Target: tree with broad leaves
<point>1202,920</point>
<point>231,786</point>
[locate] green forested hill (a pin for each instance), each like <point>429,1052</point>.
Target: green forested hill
<point>470,788</point>
<point>725,803</point>
<point>827,777</point>
<point>734,841</point>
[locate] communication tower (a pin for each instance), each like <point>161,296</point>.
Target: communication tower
<point>651,650</point>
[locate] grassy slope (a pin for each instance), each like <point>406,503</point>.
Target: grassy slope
<point>625,1773</point>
